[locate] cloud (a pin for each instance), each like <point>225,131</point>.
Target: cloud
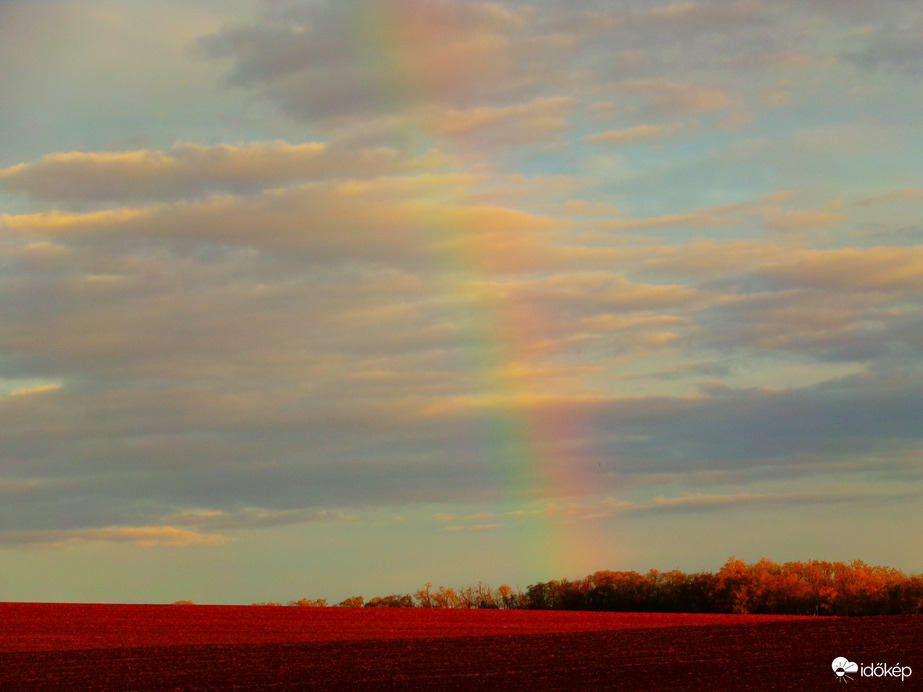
<point>326,61</point>
<point>471,527</point>
<point>690,219</point>
<point>684,370</point>
<point>255,518</point>
<point>347,266</point>
<point>828,327</point>
<point>669,97</point>
<point>316,215</point>
<point>395,219</point>
<point>692,503</point>
<point>730,427</point>
<point>889,268</point>
<point>712,502</point>
<point>910,193</point>
<point>702,16</point>
<point>202,302</point>
<point>889,47</point>
<point>740,429</point>
<point>538,122</point>
<point>637,133</point>
<point>37,389</point>
<point>71,222</point>
<point>788,221</point>
<point>479,516</point>
<point>717,502</point>
<point>191,170</point>
<point>841,141</point>
<point>22,486</point>
<point>880,268</point>
<point>321,63</point>
<point>793,60</point>
<point>144,536</point>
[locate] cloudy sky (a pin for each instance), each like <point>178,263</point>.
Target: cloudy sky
<point>317,299</point>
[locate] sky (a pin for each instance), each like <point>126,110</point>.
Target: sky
<point>303,298</point>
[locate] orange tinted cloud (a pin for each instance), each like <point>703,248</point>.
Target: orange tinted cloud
<point>77,223</point>
<point>145,536</point>
<point>190,170</point>
<point>535,121</point>
<point>38,389</point>
<point>637,133</point>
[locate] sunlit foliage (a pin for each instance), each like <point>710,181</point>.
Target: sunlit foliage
<point>793,588</point>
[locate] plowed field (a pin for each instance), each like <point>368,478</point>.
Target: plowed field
<point>134,647</point>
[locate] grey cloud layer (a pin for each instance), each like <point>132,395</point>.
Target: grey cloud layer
<point>528,218</point>
<point>465,55</point>
<point>160,459</point>
<point>237,382</point>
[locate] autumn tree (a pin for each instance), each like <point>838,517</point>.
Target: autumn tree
<point>508,598</point>
<point>423,597</point>
<point>392,601</point>
<point>445,598</point>
<point>307,603</point>
<point>765,587</point>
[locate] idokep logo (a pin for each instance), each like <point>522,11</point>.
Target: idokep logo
<point>843,666</point>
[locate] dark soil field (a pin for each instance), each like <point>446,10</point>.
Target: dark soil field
<point>132,647</point>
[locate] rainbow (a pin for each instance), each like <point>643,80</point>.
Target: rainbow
<point>524,436</point>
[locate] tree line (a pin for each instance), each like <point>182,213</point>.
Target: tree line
<point>793,588</point>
